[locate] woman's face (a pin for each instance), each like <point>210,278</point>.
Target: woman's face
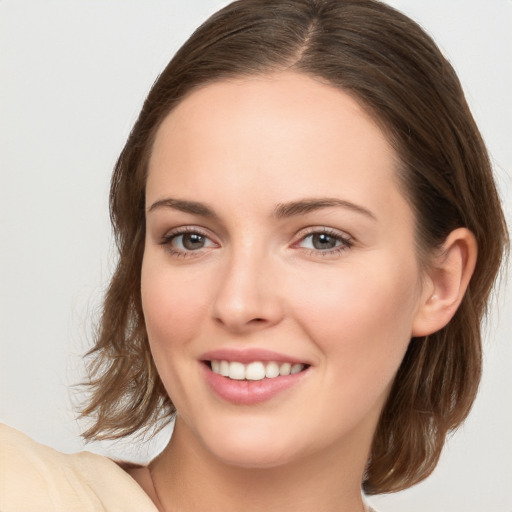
<point>277,239</point>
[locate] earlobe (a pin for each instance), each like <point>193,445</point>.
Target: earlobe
<point>448,277</point>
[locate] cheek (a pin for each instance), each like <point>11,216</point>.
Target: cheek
<point>172,303</point>
<point>173,306</point>
<point>361,321</point>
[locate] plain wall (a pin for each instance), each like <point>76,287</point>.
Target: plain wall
<point>73,75</point>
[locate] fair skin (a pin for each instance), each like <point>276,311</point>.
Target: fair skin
<point>276,232</point>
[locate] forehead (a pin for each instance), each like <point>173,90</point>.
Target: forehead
<point>278,136</point>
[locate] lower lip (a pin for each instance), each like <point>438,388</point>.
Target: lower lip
<point>249,392</point>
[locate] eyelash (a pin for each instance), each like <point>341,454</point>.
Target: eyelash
<point>169,237</point>
<point>346,242</point>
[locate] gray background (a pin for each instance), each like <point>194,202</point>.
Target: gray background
<point>73,75</point>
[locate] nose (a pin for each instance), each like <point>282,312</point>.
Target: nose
<point>247,297</point>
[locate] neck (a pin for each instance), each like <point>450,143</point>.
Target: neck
<point>188,478</point>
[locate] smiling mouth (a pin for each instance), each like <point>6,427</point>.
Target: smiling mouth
<point>255,370</point>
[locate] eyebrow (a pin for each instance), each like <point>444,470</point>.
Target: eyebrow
<point>308,205</point>
<point>282,210</point>
<point>192,207</point>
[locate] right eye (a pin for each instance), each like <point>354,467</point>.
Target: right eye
<point>181,242</point>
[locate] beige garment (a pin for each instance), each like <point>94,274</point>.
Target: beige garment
<point>36,478</point>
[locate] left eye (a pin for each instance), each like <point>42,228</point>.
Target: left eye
<point>324,241</point>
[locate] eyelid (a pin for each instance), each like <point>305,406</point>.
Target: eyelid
<point>323,229</point>
<point>180,230</point>
<point>170,235</point>
<point>346,239</point>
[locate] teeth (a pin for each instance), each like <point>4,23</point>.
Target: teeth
<point>256,370</point>
<point>285,369</point>
<point>236,371</point>
<point>224,368</point>
<point>296,368</point>
<point>272,370</point>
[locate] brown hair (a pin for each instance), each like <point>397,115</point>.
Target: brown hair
<point>388,63</point>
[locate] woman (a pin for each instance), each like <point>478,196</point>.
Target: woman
<point>308,232</point>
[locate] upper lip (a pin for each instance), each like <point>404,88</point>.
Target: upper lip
<point>249,355</point>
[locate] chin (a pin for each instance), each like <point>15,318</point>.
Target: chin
<point>251,448</point>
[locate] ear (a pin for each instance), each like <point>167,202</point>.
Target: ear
<point>446,282</point>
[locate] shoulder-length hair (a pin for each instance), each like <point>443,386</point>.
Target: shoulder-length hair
<point>397,73</point>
